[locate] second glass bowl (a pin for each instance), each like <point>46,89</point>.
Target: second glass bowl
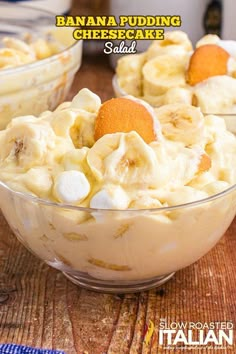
<point>41,85</point>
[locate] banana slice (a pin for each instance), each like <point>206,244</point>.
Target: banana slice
<point>11,57</point>
<point>62,106</point>
<point>172,154</point>
<point>173,95</point>
<point>111,197</point>
<point>15,53</point>
<point>178,95</point>
<point>41,48</point>
<point>76,121</point>
<point>71,187</point>
<point>214,127</point>
<point>145,202</point>
<point>216,95</point>
<point>184,194</point>
<point>202,180</point>
<point>76,159</point>
<point>46,115</point>
<point>27,144</point>
<point>156,50</point>
<point>38,180</point>
<point>222,151</point>
<point>125,159</point>
<point>22,119</point>
<point>181,122</point>
<point>76,125</point>
<point>19,45</point>
<point>130,64</point>
<point>175,43</point>
<point>82,132</point>
<point>129,73</point>
<point>62,122</point>
<point>164,72</point>
<point>216,187</point>
<point>87,101</point>
<point>155,101</point>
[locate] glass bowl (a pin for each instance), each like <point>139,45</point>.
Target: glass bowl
<point>118,251</point>
<point>42,85</point>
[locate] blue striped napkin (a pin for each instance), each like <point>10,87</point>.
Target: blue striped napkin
<point>19,349</point>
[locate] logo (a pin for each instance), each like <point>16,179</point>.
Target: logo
<point>190,335</point>
<point>148,332</point>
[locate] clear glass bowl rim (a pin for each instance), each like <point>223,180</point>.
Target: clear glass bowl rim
<point>32,198</point>
<point>117,87</point>
<point>29,66</point>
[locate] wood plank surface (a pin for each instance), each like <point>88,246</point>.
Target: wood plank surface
<point>40,307</point>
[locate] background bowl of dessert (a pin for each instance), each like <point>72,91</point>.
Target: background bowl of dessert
<point>38,61</point>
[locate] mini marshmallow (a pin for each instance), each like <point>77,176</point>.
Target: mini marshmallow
<point>110,198</point>
<point>62,122</point>
<point>71,187</point>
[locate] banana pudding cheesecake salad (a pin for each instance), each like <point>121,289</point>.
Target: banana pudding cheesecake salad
<point>92,188</point>
<point>16,52</point>
<point>172,71</point>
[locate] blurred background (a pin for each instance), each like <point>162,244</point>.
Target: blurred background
<point>198,16</point>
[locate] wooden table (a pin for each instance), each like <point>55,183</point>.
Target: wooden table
<point>40,307</point>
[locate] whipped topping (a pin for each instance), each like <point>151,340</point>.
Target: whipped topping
<point>55,157</point>
<point>109,172</point>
